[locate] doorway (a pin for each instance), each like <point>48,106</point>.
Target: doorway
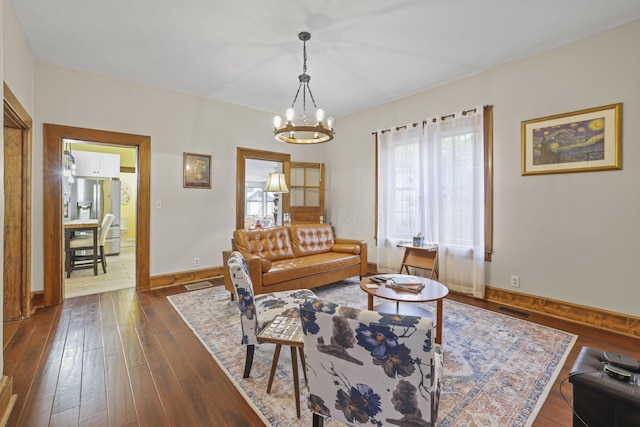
<point>101,179</point>
<point>53,202</point>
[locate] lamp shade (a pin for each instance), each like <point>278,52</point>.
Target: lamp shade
<point>276,183</point>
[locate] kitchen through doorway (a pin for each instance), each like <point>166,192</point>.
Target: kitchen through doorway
<point>101,179</point>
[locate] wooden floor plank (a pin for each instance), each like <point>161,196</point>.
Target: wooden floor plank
<point>65,419</point>
<point>133,353</point>
<point>9,331</point>
<point>120,400</point>
<point>174,403</point>
<point>176,356</point>
<point>153,354</point>
<point>98,420</point>
<point>69,381</point>
<point>36,413</point>
<point>203,409</point>
<point>142,366</point>
<point>93,395</point>
<point>148,406</point>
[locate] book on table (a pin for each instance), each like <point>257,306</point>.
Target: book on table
<point>405,283</point>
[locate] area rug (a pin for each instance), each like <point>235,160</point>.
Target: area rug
<point>498,369</point>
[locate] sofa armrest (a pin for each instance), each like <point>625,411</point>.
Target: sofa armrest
<point>254,264</point>
<point>346,248</point>
<point>343,243</point>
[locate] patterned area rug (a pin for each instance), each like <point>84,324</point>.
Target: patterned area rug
<point>498,369</point>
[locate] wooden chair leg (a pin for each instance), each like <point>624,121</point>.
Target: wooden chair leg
<point>67,262</point>
<point>103,259</point>
<point>248,361</point>
<point>304,365</point>
<point>274,365</point>
<point>318,421</point>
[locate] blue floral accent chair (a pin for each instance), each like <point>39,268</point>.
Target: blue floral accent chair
<point>365,367</point>
<point>256,312</point>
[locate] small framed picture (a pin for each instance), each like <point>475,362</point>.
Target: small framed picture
<point>197,171</point>
<point>580,141</point>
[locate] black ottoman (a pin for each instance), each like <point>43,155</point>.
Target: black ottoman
<point>600,400</point>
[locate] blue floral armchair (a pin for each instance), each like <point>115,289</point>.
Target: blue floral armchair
<point>366,367</point>
<point>257,312</point>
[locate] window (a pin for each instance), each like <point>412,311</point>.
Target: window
<point>435,179</point>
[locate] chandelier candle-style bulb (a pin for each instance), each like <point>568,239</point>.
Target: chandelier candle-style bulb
<point>304,133</point>
<point>277,121</point>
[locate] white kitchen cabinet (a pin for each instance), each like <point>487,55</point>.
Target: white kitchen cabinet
<point>97,165</point>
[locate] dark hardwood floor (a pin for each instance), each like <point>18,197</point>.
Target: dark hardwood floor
<point>123,358</point>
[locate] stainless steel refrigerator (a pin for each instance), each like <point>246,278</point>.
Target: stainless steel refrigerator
<point>93,199</point>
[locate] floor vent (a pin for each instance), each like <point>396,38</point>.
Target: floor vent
<point>199,285</point>
<point>512,311</point>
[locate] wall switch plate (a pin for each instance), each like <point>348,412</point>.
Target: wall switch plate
<point>158,204</point>
<point>196,262</point>
<point>515,281</point>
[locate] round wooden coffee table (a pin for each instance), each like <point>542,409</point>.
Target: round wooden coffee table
<point>432,291</point>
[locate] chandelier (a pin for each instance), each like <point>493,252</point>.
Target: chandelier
<point>304,133</point>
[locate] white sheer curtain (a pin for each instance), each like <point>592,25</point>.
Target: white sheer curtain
<point>399,195</point>
<point>454,184</point>
<point>431,181</point>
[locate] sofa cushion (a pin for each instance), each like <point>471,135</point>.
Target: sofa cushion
<point>310,239</point>
<point>296,268</point>
<point>271,243</point>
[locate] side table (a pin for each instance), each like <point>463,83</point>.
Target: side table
<point>424,257</point>
<point>286,331</point>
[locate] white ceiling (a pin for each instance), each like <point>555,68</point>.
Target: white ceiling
<point>362,53</point>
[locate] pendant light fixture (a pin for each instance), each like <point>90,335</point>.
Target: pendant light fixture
<point>304,133</point>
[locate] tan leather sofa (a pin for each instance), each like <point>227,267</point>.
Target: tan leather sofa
<point>300,256</point>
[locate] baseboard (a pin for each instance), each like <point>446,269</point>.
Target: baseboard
<point>37,300</point>
<point>184,277</point>
<point>7,399</point>
<point>602,319</point>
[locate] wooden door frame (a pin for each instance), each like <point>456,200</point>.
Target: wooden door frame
<point>16,117</point>
<point>52,189</point>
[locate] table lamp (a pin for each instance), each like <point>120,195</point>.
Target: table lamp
<point>276,184</point>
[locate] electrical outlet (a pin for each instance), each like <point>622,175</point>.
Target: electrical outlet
<point>515,281</point>
<point>196,262</point>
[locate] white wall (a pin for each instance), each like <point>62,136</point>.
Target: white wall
<point>192,222</point>
<point>19,64</point>
<point>570,237</point>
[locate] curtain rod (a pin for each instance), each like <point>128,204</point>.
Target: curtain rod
<point>424,122</point>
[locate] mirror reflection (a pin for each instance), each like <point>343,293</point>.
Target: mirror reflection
<point>254,205</point>
<point>259,203</point>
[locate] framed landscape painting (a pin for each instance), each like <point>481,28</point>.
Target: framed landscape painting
<point>197,171</point>
<point>585,140</point>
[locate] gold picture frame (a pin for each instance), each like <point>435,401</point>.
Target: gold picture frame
<point>580,141</point>
<point>196,170</point>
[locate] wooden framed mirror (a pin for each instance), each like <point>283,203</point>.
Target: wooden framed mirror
<point>251,166</point>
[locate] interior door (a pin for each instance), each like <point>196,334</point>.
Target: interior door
<point>306,192</point>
